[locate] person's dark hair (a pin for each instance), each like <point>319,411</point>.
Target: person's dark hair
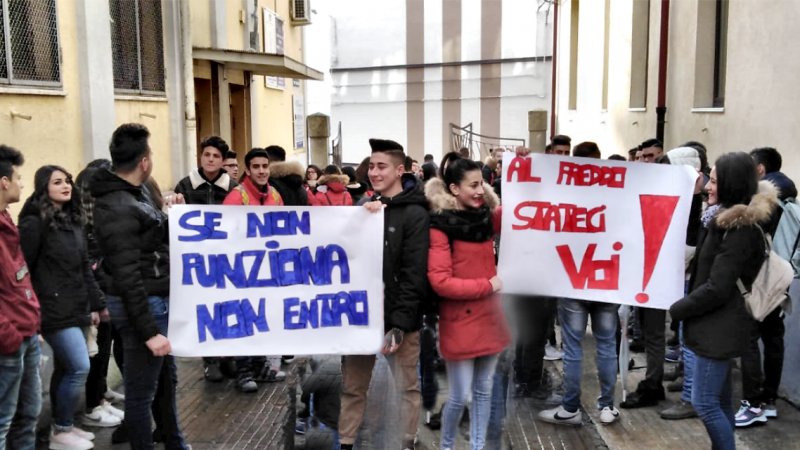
<point>548,148</point>
<point>70,212</point>
<point>480,164</point>
<point>633,151</point>
<point>663,160</point>
<point>561,139</point>
<point>230,154</point>
<point>351,173</point>
<point>652,143</point>
<point>155,192</point>
<point>769,157</point>
<point>332,170</point>
<point>457,170</point>
<point>586,150</point>
<point>695,145</point>
<point>9,158</point>
<point>428,158</point>
<point>217,143</point>
<point>276,153</point>
<point>737,180</point>
<point>84,185</point>
<point>254,153</point>
<point>362,171</point>
<point>617,158</point>
<point>315,169</point>
<point>464,152</point>
<point>128,146</point>
<point>447,159</point>
<point>428,171</point>
<point>407,164</point>
<point>702,153</point>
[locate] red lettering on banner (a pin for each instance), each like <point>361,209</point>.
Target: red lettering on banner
<point>522,167</point>
<point>573,174</point>
<point>585,276</point>
<point>561,218</point>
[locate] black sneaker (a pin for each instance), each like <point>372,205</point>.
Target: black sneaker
<point>672,375</point>
<point>245,383</point>
<point>213,373</point>
<point>435,422</point>
<point>521,391</point>
<point>643,398</point>
<point>120,435</point>
<point>637,346</point>
<point>346,446</point>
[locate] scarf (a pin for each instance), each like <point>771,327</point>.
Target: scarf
<point>709,215</point>
<point>472,225</point>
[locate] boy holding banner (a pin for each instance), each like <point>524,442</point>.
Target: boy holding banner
<point>405,263</point>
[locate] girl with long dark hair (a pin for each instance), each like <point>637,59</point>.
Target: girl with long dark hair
<point>716,324</point>
<point>465,216</point>
<point>312,177</point>
<point>55,250</point>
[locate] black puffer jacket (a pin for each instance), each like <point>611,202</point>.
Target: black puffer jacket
<point>134,240</point>
<point>60,270</point>
<point>199,190</point>
<point>405,255</point>
<point>716,323</point>
<point>287,179</point>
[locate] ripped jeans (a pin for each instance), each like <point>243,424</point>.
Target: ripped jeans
<point>574,316</point>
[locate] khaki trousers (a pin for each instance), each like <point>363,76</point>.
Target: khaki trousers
<point>357,374</point>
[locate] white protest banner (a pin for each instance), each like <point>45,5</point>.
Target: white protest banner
<point>590,229</point>
<point>255,280</point>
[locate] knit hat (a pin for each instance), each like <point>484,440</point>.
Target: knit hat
<point>684,156</point>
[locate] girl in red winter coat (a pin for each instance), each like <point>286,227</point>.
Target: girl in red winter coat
<point>465,216</point>
<point>332,189</point>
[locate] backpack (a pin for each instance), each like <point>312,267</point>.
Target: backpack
<point>246,197</point>
<point>788,233</point>
<point>770,288</point>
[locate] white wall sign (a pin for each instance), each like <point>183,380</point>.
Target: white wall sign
<point>598,230</point>
<point>253,280</point>
<point>298,109</point>
<point>273,43</point>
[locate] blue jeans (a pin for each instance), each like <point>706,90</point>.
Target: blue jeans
<point>494,433</point>
<point>148,378</point>
<point>574,316</point>
<point>70,370</point>
<point>688,370</point>
<point>20,396</point>
<point>464,376</point>
<point>711,396</point>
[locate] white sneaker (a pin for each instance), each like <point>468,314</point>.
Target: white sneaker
<point>552,354</point>
<point>609,415</point>
<point>100,418</point>
<point>68,441</point>
<point>118,413</point>
<point>114,397</point>
<point>83,434</point>
<point>561,416</point>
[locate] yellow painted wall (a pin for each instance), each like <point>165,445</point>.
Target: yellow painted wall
<point>200,15</point>
<point>275,106</point>
<point>760,98</point>
<point>53,135</point>
<point>130,111</point>
<point>235,28</point>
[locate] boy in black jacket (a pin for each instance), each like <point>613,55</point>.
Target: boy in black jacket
<point>405,264</point>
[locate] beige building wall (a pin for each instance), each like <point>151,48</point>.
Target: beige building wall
<point>761,72</point>
<point>153,113</point>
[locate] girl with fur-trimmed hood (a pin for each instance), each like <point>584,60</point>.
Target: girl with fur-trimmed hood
<point>465,216</point>
<point>332,189</point>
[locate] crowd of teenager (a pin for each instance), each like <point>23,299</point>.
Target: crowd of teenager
<point>87,270</point>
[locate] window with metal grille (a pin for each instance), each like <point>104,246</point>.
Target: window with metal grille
<point>137,43</point>
<point>29,49</point>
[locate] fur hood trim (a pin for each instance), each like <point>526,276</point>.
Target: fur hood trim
<point>328,179</point>
<point>441,199</point>
<point>223,182</point>
<point>761,207</point>
<point>281,169</point>
<point>491,162</point>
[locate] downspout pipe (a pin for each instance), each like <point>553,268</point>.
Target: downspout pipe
<point>190,121</point>
<point>554,63</point>
<point>663,50</point>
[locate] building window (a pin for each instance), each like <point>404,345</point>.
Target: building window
<point>720,51</point>
<point>29,49</point>
<point>640,45</point>
<point>137,46</point>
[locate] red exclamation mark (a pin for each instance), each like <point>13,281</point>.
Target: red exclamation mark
<point>657,211</point>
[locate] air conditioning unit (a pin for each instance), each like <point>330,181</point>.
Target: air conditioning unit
<point>301,12</point>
